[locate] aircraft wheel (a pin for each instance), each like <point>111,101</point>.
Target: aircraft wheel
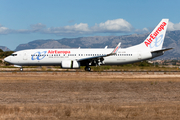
<point>87,69</point>
<point>21,69</point>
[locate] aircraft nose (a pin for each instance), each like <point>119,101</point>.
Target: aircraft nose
<point>7,59</point>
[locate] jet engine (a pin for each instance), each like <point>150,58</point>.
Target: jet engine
<point>70,64</point>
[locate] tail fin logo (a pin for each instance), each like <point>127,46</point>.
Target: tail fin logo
<point>155,34</point>
<point>157,42</point>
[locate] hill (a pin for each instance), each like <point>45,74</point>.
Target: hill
<point>4,48</point>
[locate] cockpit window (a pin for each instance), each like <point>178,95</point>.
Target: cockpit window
<point>13,54</point>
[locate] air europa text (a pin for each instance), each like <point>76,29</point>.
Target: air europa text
<point>156,33</point>
<point>58,52</point>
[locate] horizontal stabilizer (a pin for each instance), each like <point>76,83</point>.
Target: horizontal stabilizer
<point>164,49</point>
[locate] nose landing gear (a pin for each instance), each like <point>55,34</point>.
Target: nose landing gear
<point>21,69</point>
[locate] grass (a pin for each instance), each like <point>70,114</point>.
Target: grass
<point>133,68</point>
<point>87,96</point>
<point>89,112</point>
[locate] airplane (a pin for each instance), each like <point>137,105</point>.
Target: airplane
<point>150,48</point>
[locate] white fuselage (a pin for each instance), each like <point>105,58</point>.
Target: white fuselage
<point>56,56</point>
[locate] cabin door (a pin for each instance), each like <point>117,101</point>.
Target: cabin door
<point>139,55</point>
<point>24,56</point>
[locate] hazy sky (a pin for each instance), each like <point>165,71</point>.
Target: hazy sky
<point>22,21</point>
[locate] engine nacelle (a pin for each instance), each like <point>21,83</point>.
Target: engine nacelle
<point>70,64</point>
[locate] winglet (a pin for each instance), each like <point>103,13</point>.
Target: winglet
<point>116,49</point>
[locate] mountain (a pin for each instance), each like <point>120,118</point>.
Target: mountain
<point>172,39</point>
<point>84,42</point>
<point>4,48</point>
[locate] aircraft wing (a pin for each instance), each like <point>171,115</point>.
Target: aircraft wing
<point>101,56</point>
<point>92,58</point>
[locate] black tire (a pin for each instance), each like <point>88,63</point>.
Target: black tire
<point>87,69</point>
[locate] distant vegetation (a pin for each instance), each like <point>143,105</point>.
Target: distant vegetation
<point>4,54</point>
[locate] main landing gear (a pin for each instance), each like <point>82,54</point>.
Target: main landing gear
<point>87,68</point>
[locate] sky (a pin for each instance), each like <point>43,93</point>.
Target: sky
<point>22,21</point>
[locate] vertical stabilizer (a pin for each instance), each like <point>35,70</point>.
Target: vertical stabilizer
<point>155,40</point>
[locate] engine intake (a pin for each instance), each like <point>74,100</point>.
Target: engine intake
<point>70,64</point>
